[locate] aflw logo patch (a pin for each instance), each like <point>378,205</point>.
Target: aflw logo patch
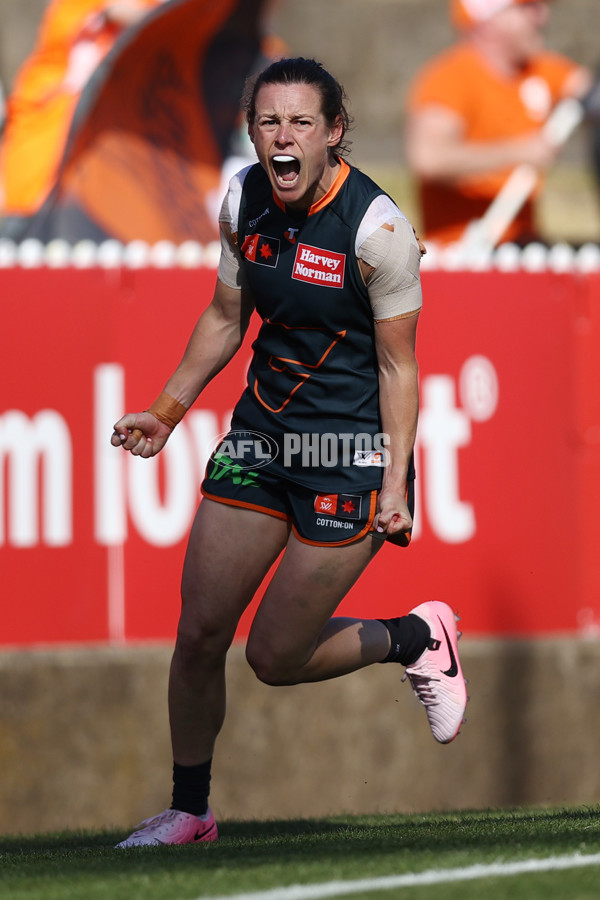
<point>262,250</point>
<point>343,505</point>
<point>319,266</point>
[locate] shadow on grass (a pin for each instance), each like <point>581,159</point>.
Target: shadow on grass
<point>371,838</point>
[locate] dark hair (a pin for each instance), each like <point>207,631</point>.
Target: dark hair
<point>303,71</point>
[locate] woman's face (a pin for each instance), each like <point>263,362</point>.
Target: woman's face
<point>293,142</point>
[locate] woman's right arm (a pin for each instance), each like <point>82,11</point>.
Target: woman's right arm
<point>215,339</point>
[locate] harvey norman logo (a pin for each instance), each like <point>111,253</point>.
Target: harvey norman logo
<point>319,266</point>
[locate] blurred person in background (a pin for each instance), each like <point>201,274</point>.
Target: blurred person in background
<point>73,38</point>
<point>476,111</point>
<point>595,131</point>
<point>143,149</point>
<point>596,154</point>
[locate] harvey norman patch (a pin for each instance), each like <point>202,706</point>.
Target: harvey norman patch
<point>324,267</point>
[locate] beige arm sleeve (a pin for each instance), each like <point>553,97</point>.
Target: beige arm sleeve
<point>395,284</point>
<point>231,270</point>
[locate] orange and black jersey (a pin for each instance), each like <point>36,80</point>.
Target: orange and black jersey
<point>313,379</point>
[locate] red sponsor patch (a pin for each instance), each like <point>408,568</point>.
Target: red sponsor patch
<point>323,267</point>
<point>344,506</point>
<point>326,503</point>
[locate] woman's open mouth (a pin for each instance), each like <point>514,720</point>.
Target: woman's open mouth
<point>286,169</point>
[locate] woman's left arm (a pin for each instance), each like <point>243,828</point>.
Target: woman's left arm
<point>399,409</point>
<point>389,260</point>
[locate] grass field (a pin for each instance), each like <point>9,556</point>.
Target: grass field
<point>538,854</point>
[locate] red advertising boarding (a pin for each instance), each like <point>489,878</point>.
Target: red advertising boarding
<point>508,455</point>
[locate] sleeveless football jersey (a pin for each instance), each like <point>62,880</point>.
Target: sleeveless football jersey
<point>313,380</point>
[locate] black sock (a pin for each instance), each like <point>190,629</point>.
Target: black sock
<point>191,787</point>
<point>410,636</point>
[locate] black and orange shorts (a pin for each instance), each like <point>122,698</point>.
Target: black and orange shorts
<point>329,519</point>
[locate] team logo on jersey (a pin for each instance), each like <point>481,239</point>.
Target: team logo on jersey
<point>324,267</point>
<point>345,506</point>
<point>290,235</point>
<point>369,458</point>
<point>262,250</point>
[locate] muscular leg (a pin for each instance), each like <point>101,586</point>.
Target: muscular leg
<point>293,637</point>
<point>229,552</point>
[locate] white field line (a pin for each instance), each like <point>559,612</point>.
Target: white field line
<point>432,876</point>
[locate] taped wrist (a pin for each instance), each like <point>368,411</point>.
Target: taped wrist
<point>167,410</point>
